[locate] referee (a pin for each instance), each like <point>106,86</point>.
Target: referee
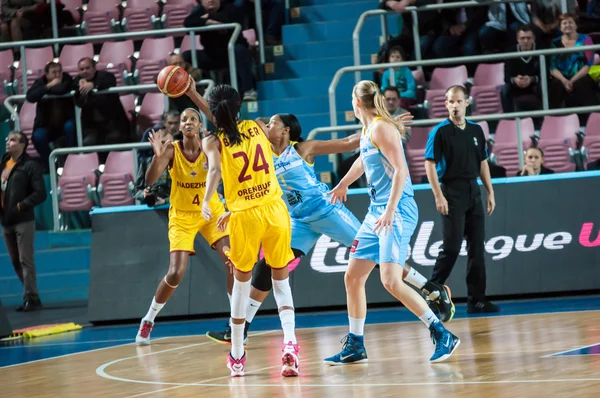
<point>456,155</point>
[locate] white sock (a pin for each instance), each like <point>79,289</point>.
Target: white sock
<point>288,324</point>
<point>154,310</point>
<point>357,326</point>
<point>253,307</point>
<point>428,318</point>
<point>415,279</point>
<point>229,297</point>
<point>237,341</point>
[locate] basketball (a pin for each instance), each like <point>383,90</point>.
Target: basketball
<point>173,81</point>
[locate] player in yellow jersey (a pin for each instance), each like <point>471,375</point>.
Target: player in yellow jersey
<point>187,166</point>
<point>240,153</point>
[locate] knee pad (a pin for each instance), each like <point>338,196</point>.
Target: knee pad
<point>262,278</point>
<point>240,295</point>
<point>283,293</point>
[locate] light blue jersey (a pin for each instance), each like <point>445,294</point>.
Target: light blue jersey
<point>393,246</point>
<point>308,203</point>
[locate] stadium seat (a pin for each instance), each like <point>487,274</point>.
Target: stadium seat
<point>101,17</point>
<point>26,119</point>
<point>128,102</point>
<point>486,129</point>
<point>591,141</point>
<point>175,12</point>
<point>186,44</point>
<point>152,58</point>
<point>485,92</point>
<point>72,53</point>
<point>116,182</point>
<point>36,60</point>
<point>505,148</point>
<point>151,111</point>
<point>115,58</point>
<point>6,73</point>
<point>557,139</point>
<point>250,36</point>
<point>139,15</point>
<point>415,153</point>
<point>73,7</point>
<point>441,79</point>
<point>77,183</point>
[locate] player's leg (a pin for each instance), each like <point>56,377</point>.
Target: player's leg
<point>276,245</point>
<point>182,231</point>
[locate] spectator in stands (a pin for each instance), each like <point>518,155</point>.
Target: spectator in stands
<point>54,118</point>
<point>170,124</point>
<point>157,193</point>
<point>521,90</point>
<point>18,19</point>
<point>103,118</point>
<point>274,17</point>
<point>184,102</point>
<point>460,32</point>
<point>544,16</point>
<point>214,55</point>
<point>22,189</point>
<point>501,27</point>
<point>392,99</point>
<point>589,18</point>
<point>571,81</point>
<point>404,80</point>
<point>534,163</point>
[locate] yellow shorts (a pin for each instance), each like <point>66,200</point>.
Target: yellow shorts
<point>268,225</point>
<point>184,225</point>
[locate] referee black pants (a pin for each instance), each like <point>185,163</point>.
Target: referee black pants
<point>465,219</point>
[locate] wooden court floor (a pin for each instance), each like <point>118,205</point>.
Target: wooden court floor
<point>506,356</point>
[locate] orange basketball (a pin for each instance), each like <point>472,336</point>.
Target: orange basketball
<point>173,81</point>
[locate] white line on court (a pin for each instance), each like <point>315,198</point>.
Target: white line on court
<point>569,350</point>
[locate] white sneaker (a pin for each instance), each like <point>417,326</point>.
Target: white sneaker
<point>143,335</point>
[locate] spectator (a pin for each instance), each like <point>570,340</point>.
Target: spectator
<point>544,16</point>
<point>54,118</point>
<point>169,123</point>
<point>103,118</point>
<point>22,190</point>
<point>157,193</point>
<point>502,25</point>
<point>522,76</point>
<point>405,82</point>
<point>589,19</point>
<point>214,55</point>
<point>460,32</point>
<point>534,163</point>
<point>571,81</point>
<point>392,100</point>
<point>274,11</point>
<point>17,19</point>
<point>184,102</point>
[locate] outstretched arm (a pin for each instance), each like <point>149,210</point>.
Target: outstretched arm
<point>211,148</point>
<point>199,100</point>
<point>311,148</point>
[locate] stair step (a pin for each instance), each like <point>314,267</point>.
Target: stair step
<point>47,240</point>
<point>308,3</point>
<point>52,261</point>
<point>302,87</point>
<point>311,68</point>
<point>65,286</point>
<point>324,49</point>
<point>300,106</point>
<point>331,12</point>
<point>337,30</point>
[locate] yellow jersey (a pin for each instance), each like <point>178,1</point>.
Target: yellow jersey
<point>248,173</point>
<point>188,180</point>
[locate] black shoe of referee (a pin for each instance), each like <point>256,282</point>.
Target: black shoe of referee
<point>443,301</point>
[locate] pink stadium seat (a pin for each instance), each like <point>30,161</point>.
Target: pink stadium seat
<point>415,153</point>
<point>557,136</point>
<point>186,44</point>
<point>487,84</point>
<point>26,119</point>
<point>592,137</point>
<point>250,36</point>
<point>137,16</point>
<point>486,129</point>
<point>6,61</point>
<point>100,16</point>
<point>72,53</point>
<point>128,102</point>
<point>72,7</point>
<point>116,180</point>
<point>441,79</point>
<point>506,144</point>
<point>176,11</point>
<point>76,184</point>
<point>153,57</point>
<point>596,59</point>
<point>114,58</point>
<point>36,60</point>
<point>419,77</point>
<point>151,111</point>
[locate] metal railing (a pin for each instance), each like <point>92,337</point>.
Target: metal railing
<point>446,61</point>
<point>499,116</point>
<point>88,149</point>
<point>415,25</point>
<point>9,105</point>
<point>237,28</point>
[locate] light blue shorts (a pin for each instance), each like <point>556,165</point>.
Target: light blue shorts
<point>392,247</point>
<point>339,224</point>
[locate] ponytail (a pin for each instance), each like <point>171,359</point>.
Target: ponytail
<point>372,99</point>
<point>225,103</point>
<point>381,111</point>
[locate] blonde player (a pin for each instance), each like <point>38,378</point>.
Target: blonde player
<point>188,168</point>
<point>240,153</point>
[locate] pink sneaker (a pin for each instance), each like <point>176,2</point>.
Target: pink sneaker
<point>290,361</point>
<point>236,365</point>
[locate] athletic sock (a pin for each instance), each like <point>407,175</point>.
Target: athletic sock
<point>429,318</point>
<point>154,310</point>
<point>253,307</point>
<point>357,326</point>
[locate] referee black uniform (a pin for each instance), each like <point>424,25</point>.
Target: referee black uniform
<point>458,154</point>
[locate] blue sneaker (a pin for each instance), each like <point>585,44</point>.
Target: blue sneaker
<point>445,342</point>
<point>353,351</point>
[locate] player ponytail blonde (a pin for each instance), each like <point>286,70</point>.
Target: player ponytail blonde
<point>373,100</point>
